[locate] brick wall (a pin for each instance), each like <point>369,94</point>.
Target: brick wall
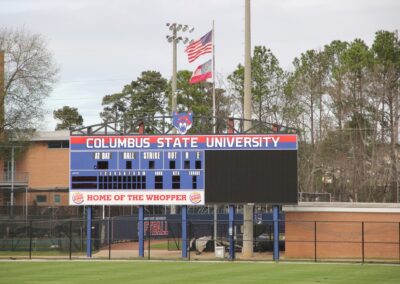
<point>339,235</point>
<point>50,198</point>
<point>48,168</point>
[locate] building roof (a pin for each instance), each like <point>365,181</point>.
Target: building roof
<point>58,135</point>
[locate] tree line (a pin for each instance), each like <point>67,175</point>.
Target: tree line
<point>342,98</point>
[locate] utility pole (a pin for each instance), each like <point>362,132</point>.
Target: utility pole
<point>247,250</point>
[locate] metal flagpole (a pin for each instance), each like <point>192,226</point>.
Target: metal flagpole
<point>214,130</point>
<point>213,91</point>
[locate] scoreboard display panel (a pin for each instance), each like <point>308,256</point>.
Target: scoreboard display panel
<point>183,169</point>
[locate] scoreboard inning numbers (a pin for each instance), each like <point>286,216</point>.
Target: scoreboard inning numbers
<point>163,170</point>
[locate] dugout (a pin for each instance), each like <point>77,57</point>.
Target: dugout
<point>342,231</point>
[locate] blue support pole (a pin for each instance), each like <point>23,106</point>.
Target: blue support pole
<point>275,216</point>
<point>89,231</point>
<point>141,230</point>
<point>231,232</point>
<point>184,231</point>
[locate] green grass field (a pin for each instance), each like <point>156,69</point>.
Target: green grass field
<point>117,272</point>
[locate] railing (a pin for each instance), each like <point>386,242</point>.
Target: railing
<point>162,125</point>
<point>19,177</point>
<point>315,197</point>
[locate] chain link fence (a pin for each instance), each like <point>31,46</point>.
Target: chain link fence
<point>47,235</point>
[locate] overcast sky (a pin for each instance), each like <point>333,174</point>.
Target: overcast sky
<point>101,45</point>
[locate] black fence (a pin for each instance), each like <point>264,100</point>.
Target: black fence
<point>66,212</point>
<point>117,238</point>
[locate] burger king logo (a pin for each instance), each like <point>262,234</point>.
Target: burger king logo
<point>77,197</point>
<point>195,197</point>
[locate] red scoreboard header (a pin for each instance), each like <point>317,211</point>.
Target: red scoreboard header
<point>205,142</point>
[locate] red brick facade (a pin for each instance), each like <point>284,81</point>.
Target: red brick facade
<point>342,235</point>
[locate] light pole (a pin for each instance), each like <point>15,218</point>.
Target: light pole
<point>174,38</point>
<point>248,209</point>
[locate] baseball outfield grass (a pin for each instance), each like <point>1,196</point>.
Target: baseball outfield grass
<point>116,272</point>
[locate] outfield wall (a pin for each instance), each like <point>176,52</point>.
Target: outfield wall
<point>342,231</point>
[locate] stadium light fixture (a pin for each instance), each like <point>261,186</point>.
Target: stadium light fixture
<point>175,38</point>
<point>172,26</point>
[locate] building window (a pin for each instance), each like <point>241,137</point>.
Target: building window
<point>57,198</point>
<point>58,144</point>
<point>41,198</point>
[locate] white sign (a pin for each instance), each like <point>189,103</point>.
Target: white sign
<point>136,197</point>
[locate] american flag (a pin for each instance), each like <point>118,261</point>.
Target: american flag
<point>199,47</point>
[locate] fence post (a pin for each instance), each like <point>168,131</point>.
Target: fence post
<point>149,233</point>
<point>70,239</point>
<point>275,215</point>
<point>231,232</point>
<point>179,234</point>
<point>109,238</point>
<point>184,227</point>
<point>141,231</point>
<point>315,241</point>
<point>30,239</point>
<point>190,230</point>
<point>89,232</point>
<point>362,240</point>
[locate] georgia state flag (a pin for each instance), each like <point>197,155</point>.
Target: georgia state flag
<point>202,73</point>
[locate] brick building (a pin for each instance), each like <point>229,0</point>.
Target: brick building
<point>41,173</point>
<point>353,231</point>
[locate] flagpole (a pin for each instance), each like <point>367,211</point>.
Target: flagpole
<point>213,90</point>
<point>214,131</point>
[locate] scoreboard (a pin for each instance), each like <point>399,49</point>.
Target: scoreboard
<point>182,169</point>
